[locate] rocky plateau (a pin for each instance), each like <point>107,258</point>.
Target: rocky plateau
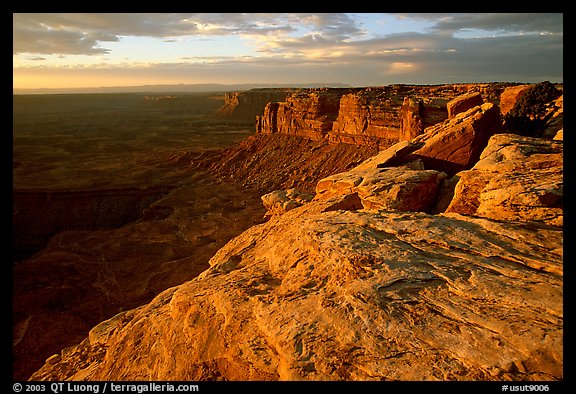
<point>393,233</point>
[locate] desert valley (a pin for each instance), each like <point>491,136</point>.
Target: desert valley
<point>398,232</point>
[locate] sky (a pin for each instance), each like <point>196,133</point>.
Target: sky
<point>71,50</point>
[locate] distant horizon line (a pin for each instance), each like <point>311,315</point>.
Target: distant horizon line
<point>222,87</point>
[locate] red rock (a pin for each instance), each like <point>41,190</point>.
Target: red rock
<point>373,116</point>
<point>334,295</point>
<point>302,114</point>
<point>517,178</point>
<point>456,144</point>
<point>366,115</point>
<point>395,188</point>
<point>510,96</point>
<point>411,123</point>
<point>463,103</point>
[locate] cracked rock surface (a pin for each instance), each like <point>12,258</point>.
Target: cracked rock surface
<point>340,295</point>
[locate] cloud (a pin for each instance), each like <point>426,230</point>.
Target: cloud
<point>508,47</point>
<point>497,22</point>
<point>72,33</point>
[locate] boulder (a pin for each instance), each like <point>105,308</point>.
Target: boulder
<point>279,202</point>
<point>395,188</point>
<point>463,103</point>
<point>517,178</point>
<point>343,295</point>
<point>455,144</point>
<point>510,96</point>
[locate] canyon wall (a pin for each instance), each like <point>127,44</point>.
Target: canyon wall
<point>40,214</point>
<point>404,266</point>
<point>379,116</point>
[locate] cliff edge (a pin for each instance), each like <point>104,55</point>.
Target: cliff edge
<point>396,270</point>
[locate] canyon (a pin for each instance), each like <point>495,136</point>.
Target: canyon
<point>383,233</point>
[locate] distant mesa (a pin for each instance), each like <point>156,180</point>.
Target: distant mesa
<point>181,88</point>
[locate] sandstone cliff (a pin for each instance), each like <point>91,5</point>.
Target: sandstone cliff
<point>379,116</point>
<point>363,284</point>
<point>416,263</point>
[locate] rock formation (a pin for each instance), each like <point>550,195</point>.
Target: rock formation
<point>338,291</point>
<point>411,122</point>
<point>365,117</point>
<point>517,178</point>
<point>439,257</point>
<point>463,103</point>
<point>302,114</point>
<point>320,294</point>
<point>374,116</point>
<point>279,202</point>
<point>248,104</point>
<point>510,96</point>
<point>456,144</point>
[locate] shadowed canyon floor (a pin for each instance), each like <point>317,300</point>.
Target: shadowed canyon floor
<point>393,260</point>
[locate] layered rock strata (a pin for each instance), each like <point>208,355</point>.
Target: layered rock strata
<point>517,178</point>
<point>379,116</point>
<point>347,295</point>
<point>302,114</point>
<point>333,291</point>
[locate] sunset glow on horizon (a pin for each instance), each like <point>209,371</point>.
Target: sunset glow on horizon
<point>102,50</point>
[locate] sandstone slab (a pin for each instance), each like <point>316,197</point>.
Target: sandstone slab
<point>510,96</point>
<point>463,103</point>
<point>341,295</point>
<point>395,188</point>
<point>455,144</point>
<point>517,178</point>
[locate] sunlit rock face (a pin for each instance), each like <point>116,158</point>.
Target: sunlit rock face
<point>371,116</point>
<point>437,256</point>
<point>333,291</point>
<point>517,178</point>
<point>455,144</point>
<point>511,95</point>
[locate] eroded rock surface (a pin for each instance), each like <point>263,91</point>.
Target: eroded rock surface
<point>400,189</point>
<point>342,295</point>
<point>463,103</point>
<point>455,144</point>
<point>517,178</point>
<point>279,202</point>
<point>362,283</point>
